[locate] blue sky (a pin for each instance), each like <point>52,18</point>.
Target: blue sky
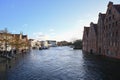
<point>50,19</point>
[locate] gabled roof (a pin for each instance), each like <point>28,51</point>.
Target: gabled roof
<point>86,29</point>
<point>95,28</point>
<point>103,16</point>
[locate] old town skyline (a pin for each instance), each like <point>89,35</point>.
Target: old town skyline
<point>51,19</point>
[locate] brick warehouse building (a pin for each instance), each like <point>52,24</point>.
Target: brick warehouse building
<point>103,38</point>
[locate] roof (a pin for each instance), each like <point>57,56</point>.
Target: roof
<point>103,16</point>
<point>24,36</point>
<point>95,28</point>
<point>31,39</point>
<point>86,29</point>
<point>5,33</point>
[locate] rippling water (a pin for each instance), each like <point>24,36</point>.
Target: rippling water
<point>60,63</point>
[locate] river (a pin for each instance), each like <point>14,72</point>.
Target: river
<point>60,63</point>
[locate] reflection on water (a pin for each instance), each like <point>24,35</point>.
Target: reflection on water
<point>60,63</point>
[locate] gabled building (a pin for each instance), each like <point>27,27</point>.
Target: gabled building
<point>112,30</point>
<point>85,39</point>
<point>104,37</point>
<point>92,38</point>
<point>101,33</point>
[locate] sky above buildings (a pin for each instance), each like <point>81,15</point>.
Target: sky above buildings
<point>50,19</point>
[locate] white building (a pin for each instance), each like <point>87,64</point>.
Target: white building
<point>35,43</point>
<point>52,43</point>
<point>44,44</point>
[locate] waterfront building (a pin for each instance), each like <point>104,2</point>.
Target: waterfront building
<point>63,43</point>
<point>5,40</point>
<point>44,45</point>
<point>52,43</point>
<point>92,46</point>
<point>9,41</point>
<point>85,39</point>
<point>103,38</point>
<point>35,44</point>
<point>100,36</point>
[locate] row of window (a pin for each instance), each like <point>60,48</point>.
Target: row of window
<point>110,18</point>
<point>112,44</point>
<point>111,35</point>
<point>111,25</point>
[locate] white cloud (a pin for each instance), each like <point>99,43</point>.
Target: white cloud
<point>76,32</point>
<point>41,36</point>
<point>38,35</point>
<point>70,35</point>
<point>73,33</point>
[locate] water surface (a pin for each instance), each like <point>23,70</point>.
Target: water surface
<point>60,63</point>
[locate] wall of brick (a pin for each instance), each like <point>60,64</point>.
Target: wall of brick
<point>103,38</point>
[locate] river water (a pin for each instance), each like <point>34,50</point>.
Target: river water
<point>60,63</point>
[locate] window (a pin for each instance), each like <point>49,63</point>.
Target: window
<point>109,26</point>
<point>113,24</point>
<point>110,18</point>
<point>114,44</point>
<point>106,28</point>
<point>116,23</point>
<point>116,33</point>
<point>113,33</point>
<point>109,11</point>
<point>111,43</point>
<point>106,20</point>
<point>113,17</point>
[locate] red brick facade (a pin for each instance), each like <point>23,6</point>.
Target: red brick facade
<point>100,34</point>
<point>103,38</point>
<point>85,38</point>
<point>92,38</point>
